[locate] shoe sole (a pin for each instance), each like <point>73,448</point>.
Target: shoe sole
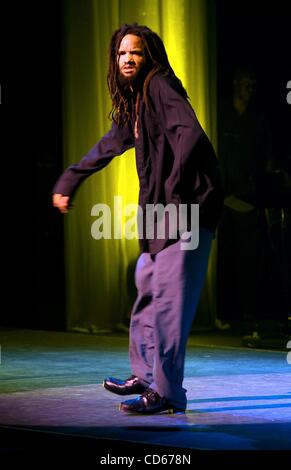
<point>169,411</point>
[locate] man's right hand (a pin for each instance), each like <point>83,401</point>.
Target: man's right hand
<point>61,202</point>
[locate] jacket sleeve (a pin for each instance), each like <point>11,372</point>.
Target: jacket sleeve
<point>179,124</point>
<point>178,120</point>
<point>195,173</point>
<point>114,143</point>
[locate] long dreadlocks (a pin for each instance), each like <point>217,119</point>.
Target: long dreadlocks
<point>156,61</point>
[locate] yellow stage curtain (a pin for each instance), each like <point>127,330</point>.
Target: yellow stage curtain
<point>99,273</point>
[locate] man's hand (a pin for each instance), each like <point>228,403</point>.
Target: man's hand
<point>61,202</point>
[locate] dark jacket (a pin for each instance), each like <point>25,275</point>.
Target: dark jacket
<point>175,161</point>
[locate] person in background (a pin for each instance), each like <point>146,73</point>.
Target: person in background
<point>245,157</point>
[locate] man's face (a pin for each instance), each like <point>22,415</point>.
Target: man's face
<point>131,57</point>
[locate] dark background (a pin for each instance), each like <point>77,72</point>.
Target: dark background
<point>33,288</point>
<point>31,154</point>
<point>256,34</point>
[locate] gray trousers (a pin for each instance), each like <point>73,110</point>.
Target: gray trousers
<point>169,285</point>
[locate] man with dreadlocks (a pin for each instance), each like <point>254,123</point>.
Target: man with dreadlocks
<point>176,165</point>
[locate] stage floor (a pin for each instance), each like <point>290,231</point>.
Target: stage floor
<point>239,399</point>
